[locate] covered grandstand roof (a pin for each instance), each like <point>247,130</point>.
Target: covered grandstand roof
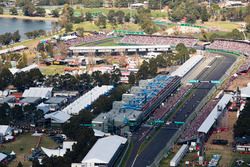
<point>86,99</point>
<point>187,66</point>
<point>129,48</point>
<point>14,49</point>
<point>38,92</point>
<point>104,149</point>
<point>213,116</point>
<point>57,117</point>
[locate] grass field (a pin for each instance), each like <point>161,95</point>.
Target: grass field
<point>52,69</point>
<point>22,147</point>
<point>90,26</point>
<point>155,13</point>
<point>222,25</point>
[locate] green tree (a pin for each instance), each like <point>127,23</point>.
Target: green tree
<point>143,71</point>
<point>55,13</point>
<point>204,14</point>
<point>13,11</point>
<point>80,31</point>
<point>131,78</point>
<point>69,27</point>
<point>88,16</point>
<point>19,164</point>
<point>40,12</point>
<point>6,38</point>
<point>101,21</point>
<point>28,8</point>
<point>16,36</point>
<point>247,21</point>
<point>6,78</point>
<point>1,10</point>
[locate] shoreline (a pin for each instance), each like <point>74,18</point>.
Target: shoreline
<point>30,18</point>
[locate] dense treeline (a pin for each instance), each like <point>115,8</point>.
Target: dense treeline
<point>7,38</point>
<point>242,126</point>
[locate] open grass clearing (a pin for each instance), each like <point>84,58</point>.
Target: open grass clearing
<point>90,26</point>
<point>222,25</point>
<point>52,69</point>
<point>22,147</point>
<point>155,13</point>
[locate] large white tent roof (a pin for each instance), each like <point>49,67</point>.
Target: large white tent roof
<point>86,99</point>
<point>104,149</point>
<point>209,121</point>
<point>187,66</point>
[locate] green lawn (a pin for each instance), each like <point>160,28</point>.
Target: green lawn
<point>90,26</point>
<point>22,147</point>
<point>155,13</point>
<point>222,25</point>
<point>52,69</point>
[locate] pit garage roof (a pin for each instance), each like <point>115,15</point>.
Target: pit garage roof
<point>213,116</point>
<point>187,66</point>
<point>104,149</point>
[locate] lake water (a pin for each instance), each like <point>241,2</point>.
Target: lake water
<point>11,25</point>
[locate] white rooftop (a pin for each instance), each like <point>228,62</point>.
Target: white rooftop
<point>58,117</point>
<point>54,152</point>
<point>38,92</point>
<point>245,92</point>
<point>13,49</point>
<point>212,117</point>
<point>2,156</point>
<point>25,69</point>
<point>5,130</point>
<point>86,99</point>
<point>104,149</point>
<point>187,66</point>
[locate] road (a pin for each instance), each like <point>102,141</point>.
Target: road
<point>161,138</point>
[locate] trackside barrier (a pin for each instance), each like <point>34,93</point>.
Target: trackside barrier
<point>223,51</point>
<point>165,151</point>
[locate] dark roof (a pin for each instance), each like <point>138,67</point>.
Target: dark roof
<point>31,100</point>
<point>7,99</point>
<point>56,100</point>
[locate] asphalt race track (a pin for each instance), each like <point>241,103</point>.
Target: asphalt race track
<point>217,69</point>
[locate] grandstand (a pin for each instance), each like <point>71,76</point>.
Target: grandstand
<point>205,119</point>
<point>158,40</point>
<point>105,49</point>
<point>137,105</point>
<point>14,49</point>
<point>242,47</point>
